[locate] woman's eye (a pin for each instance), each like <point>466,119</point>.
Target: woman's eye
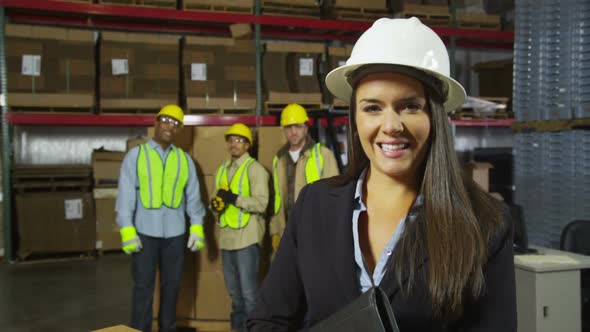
<point>413,107</point>
<point>371,108</point>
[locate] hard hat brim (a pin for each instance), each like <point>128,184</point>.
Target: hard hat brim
<point>337,83</point>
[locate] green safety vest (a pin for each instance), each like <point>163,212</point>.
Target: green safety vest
<point>314,167</point>
<point>233,216</point>
<point>161,183</point>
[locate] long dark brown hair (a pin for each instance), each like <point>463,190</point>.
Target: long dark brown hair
<point>454,225</point>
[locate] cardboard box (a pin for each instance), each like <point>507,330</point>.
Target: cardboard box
<point>107,230</point>
<point>480,172</point>
<point>59,222</point>
<point>301,63</point>
<point>118,328</point>
<point>138,66</point>
<point>337,57</point>
<point>209,148</point>
<point>241,31</point>
<point>366,4</point>
<point>106,166</point>
<point>49,60</point>
<point>270,140</point>
<point>215,67</point>
<point>495,78</point>
<point>212,300</point>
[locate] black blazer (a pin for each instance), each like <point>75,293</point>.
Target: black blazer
<point>314,274</point>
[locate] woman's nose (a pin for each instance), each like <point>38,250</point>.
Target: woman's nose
<point>392,123</point>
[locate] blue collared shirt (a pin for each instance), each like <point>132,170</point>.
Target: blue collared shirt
<point>365,280</point>
<point>163,222</point>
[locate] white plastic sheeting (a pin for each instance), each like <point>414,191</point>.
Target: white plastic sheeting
<point>35,145</point>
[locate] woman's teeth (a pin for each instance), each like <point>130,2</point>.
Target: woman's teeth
<point>393,147</point>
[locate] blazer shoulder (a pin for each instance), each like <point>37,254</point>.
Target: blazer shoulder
<point>503,233</point>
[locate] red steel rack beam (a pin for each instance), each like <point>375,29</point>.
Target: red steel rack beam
<point>131,120</point>
<point>152,18</point>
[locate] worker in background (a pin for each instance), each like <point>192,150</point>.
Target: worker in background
<point>297,163</point>
<point>157,185</point>
<point>241,201</point>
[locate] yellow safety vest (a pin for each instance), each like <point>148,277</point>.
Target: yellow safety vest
<point>233,216</point>
<point>314,167</point>
<point>161,183</point>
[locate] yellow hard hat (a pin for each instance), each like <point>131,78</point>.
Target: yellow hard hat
<point>240,129</point>
<point>293,114</point>
<point>173,111</point>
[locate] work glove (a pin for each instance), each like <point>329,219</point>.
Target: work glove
<point>130,240</point>
<point>217,204</point>
<point>196,238</point>
<point>227,196</point>
<point>275,239</point>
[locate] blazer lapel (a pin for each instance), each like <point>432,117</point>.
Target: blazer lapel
<point>338,214</point>
<point>390,284</point>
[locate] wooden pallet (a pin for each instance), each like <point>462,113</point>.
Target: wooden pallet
<point>469,114</point>
<point>551,125</point>
<point>51,178</point>
<point>51,102</point>
<point>199,105</point>
<point>55,257</point>
<point>290,8</point>
<point>142,3</point>
<point>133,105</point>
<point>105,183</point>
<point>359,14</point>
<point>479,21</point>
<point>279,100</point>
<point>271,107</point>
<point>428,14</point>
<point>240,7</point>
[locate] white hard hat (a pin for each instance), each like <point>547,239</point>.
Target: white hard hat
<point>405,42</point>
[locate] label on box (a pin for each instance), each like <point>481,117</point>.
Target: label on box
<point>341,63</point>
<point>120,66</point>
<point>31,65</point>
<point>98,244</point>
<point>306,67</point>
<point>198,71</point>
<point>73,208</point>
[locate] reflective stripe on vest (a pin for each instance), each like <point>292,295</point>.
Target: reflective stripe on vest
<point>161,184</point>
<point>314,168</point>
<point>233,216</point>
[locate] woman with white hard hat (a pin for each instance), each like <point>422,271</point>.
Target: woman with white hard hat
<point>403,217</point>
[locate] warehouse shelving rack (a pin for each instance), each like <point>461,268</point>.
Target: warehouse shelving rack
<point>122,17</point>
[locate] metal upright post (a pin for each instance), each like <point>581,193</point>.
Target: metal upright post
<point>6,147</point>
<point>258,62</point>
<point>453,38</point>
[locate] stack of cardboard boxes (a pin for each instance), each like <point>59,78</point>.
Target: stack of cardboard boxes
<point>54,209</point>
<point>219,75</point>
<point>138,72</point>
<point>337,57</point>
<point>50,68</point>
<point>106,166</point>
<point>359,10</point>
<point>299,81</point>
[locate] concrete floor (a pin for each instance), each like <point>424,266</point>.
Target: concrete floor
<point>65,296</point>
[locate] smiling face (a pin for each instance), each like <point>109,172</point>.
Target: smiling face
<point>166,129</point>
<point>393,123</point>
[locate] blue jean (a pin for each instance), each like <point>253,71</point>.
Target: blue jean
<point>240,270</point>
<point>169,254</point>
